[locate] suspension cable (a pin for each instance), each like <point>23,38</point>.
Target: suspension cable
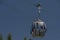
<point>38,9</point>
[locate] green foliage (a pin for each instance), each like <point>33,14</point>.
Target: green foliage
<point>9,36</point>
<point>25,38</point>
<point>1,37</point>
<point>30,39</point>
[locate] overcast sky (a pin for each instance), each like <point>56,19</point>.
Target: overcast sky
<point>16,16</point>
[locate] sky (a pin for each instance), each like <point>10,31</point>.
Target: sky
<point>16,17</point>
